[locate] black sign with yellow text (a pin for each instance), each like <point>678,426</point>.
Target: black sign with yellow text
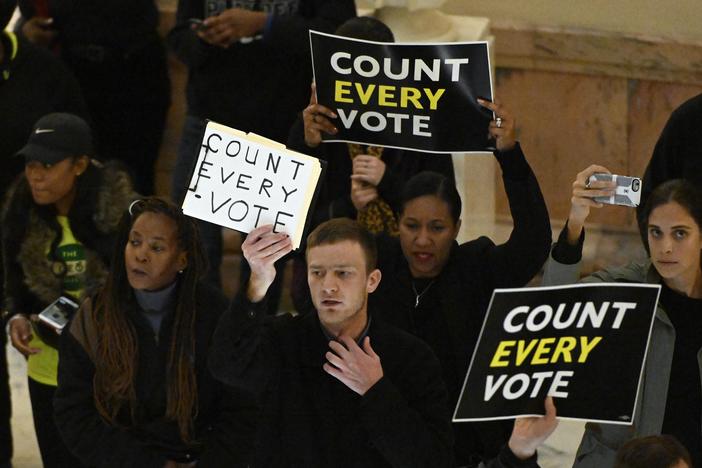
<point>420,97</point>
<point>585,345</point>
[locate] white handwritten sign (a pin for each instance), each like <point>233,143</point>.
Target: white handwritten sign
<point>242,181</point>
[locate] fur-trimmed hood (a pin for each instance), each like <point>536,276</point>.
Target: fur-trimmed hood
<point>29,248</point>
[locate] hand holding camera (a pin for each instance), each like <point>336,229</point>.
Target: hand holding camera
<point>593,188</point>
<point>582,199</point>
<point>627,189</point>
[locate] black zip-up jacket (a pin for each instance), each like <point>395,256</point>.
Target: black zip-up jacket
<point>224,423</point>
<point>459,297</point>
<point>309,418</point>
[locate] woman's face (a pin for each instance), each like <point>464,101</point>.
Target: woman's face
<point>54,184</point>
<point>427,232</point>
<point>152,255</point>
<point>675,242</point>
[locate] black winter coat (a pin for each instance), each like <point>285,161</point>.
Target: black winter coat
<point>312,420</point>
<point>28,230</point>
<point>224,423</point>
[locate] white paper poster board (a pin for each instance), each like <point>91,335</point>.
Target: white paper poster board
<point>242,181</point>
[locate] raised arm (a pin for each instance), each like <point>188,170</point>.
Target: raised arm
<point>516,261</point>
<point>563,265</point>
<point>242,346</point>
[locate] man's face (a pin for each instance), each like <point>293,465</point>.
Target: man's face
<point>339,285</point>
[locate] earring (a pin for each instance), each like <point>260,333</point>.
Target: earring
<point>180,272</point>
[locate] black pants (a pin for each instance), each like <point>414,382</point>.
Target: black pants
<point>5,405</point>
<point>54,453</point>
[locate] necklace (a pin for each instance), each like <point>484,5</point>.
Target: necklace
<point>418,296</point>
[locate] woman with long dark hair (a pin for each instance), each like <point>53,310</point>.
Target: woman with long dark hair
<point>134,389</point>
<point>439,290</point>
<point>58,225</point>
<point>670,397</point>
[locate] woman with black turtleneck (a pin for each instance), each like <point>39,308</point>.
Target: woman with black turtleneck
<point>134,389</point>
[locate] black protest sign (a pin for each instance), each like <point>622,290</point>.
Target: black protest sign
<point>583,344</point>
<point>411,96</point>
<point>242,181</point>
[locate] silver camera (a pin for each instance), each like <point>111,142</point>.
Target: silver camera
<point>627,192</point>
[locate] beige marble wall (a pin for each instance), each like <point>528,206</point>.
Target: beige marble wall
<point>577,105</point>
<point>584,97</point>
<point>673,19</point>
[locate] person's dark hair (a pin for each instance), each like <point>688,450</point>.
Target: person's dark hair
<point>366,28</point>
<point>344,229</point>
<point>680,191</point>
<point>661,451</point>
<point>117,352</point>
<point>432,183</point>
<point>7,8</point>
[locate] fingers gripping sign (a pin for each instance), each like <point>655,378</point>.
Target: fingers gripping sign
<point>261,249</point>
<point>362,194</point>
<point>358,369</point>
<point>368,169</point>
<point>504,128</point>
<point>315,118</point>
<point>529,433</point>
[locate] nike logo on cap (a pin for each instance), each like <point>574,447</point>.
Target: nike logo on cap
<point>43,130</point>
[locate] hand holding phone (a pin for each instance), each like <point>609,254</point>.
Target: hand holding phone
<point>196,24</point>
<point>627,192</point>
<point>57,314</point>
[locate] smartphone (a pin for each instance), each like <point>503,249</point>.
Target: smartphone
<point>199,24</point>
<point>627,192</point>
<point>57,314</point>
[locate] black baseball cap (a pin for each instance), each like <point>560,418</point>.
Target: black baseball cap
<point>56,137</point>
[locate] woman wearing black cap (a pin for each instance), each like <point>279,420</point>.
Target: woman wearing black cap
<point>58,222</point>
